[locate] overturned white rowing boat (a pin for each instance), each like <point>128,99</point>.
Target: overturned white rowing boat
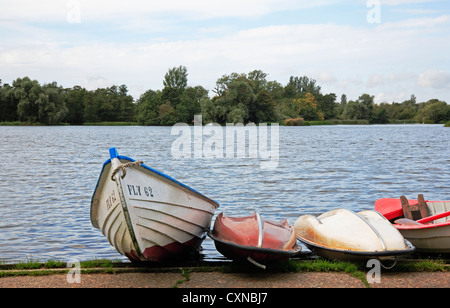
<point>145,214</point>
<point>345,235</point>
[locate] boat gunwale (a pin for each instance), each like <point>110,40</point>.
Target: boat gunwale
<point>375,253</point>
<point>423,226</point>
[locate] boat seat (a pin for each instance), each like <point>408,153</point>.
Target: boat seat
<point>414,211</point>
<point>435,208</point>
<point>407,222</point>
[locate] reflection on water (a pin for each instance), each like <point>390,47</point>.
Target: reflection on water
<point>48,175</point>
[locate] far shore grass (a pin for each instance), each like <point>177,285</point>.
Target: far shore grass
<point>305,123</point>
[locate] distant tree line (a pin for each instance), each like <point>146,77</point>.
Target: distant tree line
<point>238,98</point>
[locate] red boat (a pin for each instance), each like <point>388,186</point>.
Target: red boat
<point>426,224</point>
<point>254,239</point>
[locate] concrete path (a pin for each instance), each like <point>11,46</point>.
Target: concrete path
<point>228,280</point>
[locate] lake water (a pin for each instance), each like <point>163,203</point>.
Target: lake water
<point>48,175</point>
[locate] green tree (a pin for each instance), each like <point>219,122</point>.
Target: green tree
<point>43,104</point>
<point>307,108</point>
<point>343,99</point>
<point>368,101</point>
<point>276,90</point>
<point>176,78</point>
<point>327,104</point>
<point>109,104</point>
<point>180,102</point>
<point>223,83</point>
<point>125,105</point>
<point>8,103</point>
<point>354,110</point>
<point>434,111</point>
<point>147,107</point>
<point>175,82</point>
<point>243,98</point>
<point>299,86</point>
<point>263,109</point>
<point>75,105</point>
<point>208,110</point>
<point>359,109</point>
<point>189,104</point>
<point>379,115</point>
<point>408,109</point>
<point>166,114</point>
<point>257,79</point>
<point>238,99</point>
<point>92,106</point>
<point>26,92</point>
<point>52,104</point>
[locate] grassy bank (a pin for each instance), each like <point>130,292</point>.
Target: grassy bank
<point>111,124</point>
<point>303,123</point>
<point>337,122</point>
<point>18,123</point>
<point>32,267</point>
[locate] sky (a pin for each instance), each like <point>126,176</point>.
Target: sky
<point>387,48</point>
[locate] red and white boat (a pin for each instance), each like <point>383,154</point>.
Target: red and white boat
<point>254,238</point>
<point>426,224</point>
<point>147,215</point>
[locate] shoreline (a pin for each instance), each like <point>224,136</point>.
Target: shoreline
<point>306,123</point>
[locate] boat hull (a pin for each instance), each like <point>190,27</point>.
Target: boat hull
<point>344,235</point>
<point>332,253</point>
<point>251,237</point>
<point>146,215</point>
<point>429,240</point>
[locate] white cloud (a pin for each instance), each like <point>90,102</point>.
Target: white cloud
<point>114,9</point>
<point>391,96</point>
<point>94,83</point>
<point>404,2</point>
<point>380,79</point>
<point>436,79</point>
<point>421,23</point>
<point>388,58</point>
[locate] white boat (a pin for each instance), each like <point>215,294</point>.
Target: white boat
<point>345,235</point>
<point>145,214</point>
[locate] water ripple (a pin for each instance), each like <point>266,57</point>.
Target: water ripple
<point>49,174</point>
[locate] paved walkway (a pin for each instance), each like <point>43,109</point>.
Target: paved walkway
<point>229,280</point>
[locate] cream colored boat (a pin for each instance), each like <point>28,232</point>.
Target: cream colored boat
<point>345,235</point>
